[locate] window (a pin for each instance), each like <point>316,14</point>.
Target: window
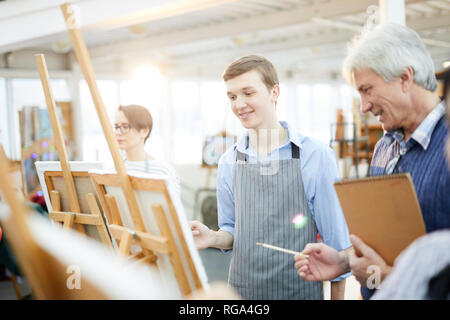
<point>29,92</point>
<point>317,105</point>
<point>187,120</point>
<point>149,94</point>
<point>216,110</point>
<point>95,147</point>
<point>285,110</point>
<point>304,110</point>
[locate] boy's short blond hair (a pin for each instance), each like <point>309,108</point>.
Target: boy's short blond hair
<point>253,62</point>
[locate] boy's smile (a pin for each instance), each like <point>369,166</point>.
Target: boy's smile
<point>251,101</point>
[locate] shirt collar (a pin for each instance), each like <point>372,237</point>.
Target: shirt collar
<point>422,134</point>
<point>293,136</point>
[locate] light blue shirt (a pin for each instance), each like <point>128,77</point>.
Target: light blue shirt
<point>319,172</point>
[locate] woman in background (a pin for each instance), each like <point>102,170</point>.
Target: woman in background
<point>132,127</point>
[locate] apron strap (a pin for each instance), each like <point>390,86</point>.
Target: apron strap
<point>294,148</point>
<point>295,151</point>
<point>241,156</point>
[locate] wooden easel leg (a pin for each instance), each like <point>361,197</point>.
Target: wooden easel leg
<point>80,228</point>
<point>101,227</point>
<point>125,244</point>
<point>175,258</point>
<point>16,287</point>
<point>55,200</point>
<point>56,204</point>
<point>113,209</point>
<point>68,221</point>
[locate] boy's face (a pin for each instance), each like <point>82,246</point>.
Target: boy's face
<point>251,101</point>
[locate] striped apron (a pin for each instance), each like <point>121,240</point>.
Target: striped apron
<point>266,201</point>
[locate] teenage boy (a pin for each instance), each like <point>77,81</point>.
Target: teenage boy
<point>271,176</point>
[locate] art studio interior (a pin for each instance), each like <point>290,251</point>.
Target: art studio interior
<point>77,76</point>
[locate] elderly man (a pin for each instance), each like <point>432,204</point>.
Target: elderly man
<point>394,74</point>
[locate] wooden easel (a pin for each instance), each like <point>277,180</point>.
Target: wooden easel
<point>44,272</point>
<point>74,219</point>
<point>126,236</point>
<point>164,243</point>
<point>14,169</point>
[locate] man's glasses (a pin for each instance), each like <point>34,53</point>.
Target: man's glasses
<point>124,128</point>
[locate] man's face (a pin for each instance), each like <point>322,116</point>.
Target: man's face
<point>251,101</point>
<point>385,100</point>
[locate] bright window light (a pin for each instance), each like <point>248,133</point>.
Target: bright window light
<point>148,75</point>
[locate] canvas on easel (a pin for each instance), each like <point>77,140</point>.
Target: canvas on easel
<point>383,211</point>
<point>167,234</point>
<point>91,215</point>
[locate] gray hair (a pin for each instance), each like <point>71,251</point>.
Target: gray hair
<point>388,50</point>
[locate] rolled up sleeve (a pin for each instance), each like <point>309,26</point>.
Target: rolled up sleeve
<point>225,198</point>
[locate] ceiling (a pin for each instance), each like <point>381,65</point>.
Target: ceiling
<point>304,38</point>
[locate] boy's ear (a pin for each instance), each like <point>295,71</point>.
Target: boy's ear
<point>275,93</point>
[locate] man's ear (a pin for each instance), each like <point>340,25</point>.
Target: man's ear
<point>407,79</point>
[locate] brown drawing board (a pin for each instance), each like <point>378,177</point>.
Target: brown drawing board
<point>383,211</point>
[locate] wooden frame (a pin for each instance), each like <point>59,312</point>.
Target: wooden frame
<point>153,246</point>
<point>42,253</point>
<point>90,217</point>
<point>44,272</point>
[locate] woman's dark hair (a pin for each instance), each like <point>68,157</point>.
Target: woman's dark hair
<point>139,117</point>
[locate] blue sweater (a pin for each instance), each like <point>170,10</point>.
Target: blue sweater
<point>430,175</point>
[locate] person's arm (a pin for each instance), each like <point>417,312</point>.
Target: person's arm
<point>368,260</point>
<point>344,259</point>
<point>338,290</point>
<point>338,287</point>
<point>205,237</point>
<point>225,202</point>
<point>327,211</point>
<point>323,262</point>
<point>223,238</point>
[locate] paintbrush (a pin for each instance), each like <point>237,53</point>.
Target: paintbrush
<point>282,250</point>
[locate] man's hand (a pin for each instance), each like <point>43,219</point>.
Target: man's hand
<point>203,236</point>
<point>360,265</point>
<point>324,263</point>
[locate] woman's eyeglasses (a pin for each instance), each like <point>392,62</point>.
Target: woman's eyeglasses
<point>124,128</point>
